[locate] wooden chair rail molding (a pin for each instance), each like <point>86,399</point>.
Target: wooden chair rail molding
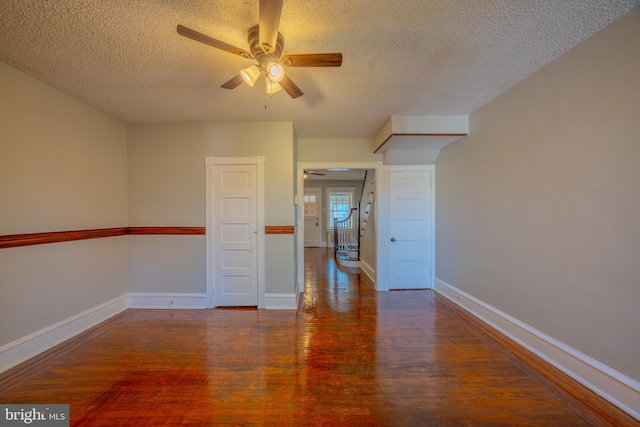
<point>16,240</point>
<point>165,230</point>
<point>279,229</point>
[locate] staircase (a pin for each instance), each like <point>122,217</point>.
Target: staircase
<point>345,245</point>
<point>366,210</point>
<point>347,238</point>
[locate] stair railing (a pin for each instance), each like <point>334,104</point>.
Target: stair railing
<point>343,232</point>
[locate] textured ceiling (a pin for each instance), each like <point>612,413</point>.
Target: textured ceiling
<point>400,57</point>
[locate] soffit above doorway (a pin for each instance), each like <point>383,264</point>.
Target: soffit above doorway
<point>420,132</point>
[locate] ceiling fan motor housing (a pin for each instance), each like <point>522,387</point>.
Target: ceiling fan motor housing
<point>260,55</point>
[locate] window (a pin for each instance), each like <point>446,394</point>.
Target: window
<point>339,204</point>
<point>310,205</point>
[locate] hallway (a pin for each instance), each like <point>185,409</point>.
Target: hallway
<point>348,356</point>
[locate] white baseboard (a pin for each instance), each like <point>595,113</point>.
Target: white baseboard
<point>368,270</point>
<point>348,263</point>
<point>610,384</point>
<point>281,301</point>
<point>320,245</point>
<point>18,351</point>
<point>22,349</point>
<point>167,301</point>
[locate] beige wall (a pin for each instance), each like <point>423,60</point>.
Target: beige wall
<point>167,188</point>
<point>336,150</point>
<point>538,210</point>
<point>411,157</point>
<point>359,150</point>
<point>63,166</point>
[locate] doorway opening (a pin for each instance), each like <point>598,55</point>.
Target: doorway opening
<point>334,186</point>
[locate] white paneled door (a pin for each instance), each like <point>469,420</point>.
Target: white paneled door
<point>312,212</point>
<point>235,259</point>
<point>410,230</point>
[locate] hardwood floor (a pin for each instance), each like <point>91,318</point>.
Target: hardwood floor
<point>348,356</point>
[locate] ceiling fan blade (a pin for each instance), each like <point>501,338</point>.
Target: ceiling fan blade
<point>192,34</point>
<point>313,60</point>
<point>290,87</point>
<point>234,82</point>
<point>270,11</point>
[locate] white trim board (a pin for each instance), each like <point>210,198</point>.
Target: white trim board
<point>368,270</point>
<point>610,384</point>
<point>276,301</point>
<point>24,348</point>
<point>168,301</point>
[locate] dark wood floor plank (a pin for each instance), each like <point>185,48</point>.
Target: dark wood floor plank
<point>348,356</point>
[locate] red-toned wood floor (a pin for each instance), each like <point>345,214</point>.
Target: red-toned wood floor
<point>348,356</point>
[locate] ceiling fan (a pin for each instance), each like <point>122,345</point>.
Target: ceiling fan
<point>265,47</point>
<point>307,173</point>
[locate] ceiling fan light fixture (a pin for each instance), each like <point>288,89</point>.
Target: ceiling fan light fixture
<point>250,75</point>
<point>266,45</point>
<point>275,72</point>
<point>272,87</point>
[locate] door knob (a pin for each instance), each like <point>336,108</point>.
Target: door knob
<point>393,239</point>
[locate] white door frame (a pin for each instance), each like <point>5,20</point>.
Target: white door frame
<point>317,191</point>
<point>382,217</point>
<point>210,282</point>
<point>384,244</point>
